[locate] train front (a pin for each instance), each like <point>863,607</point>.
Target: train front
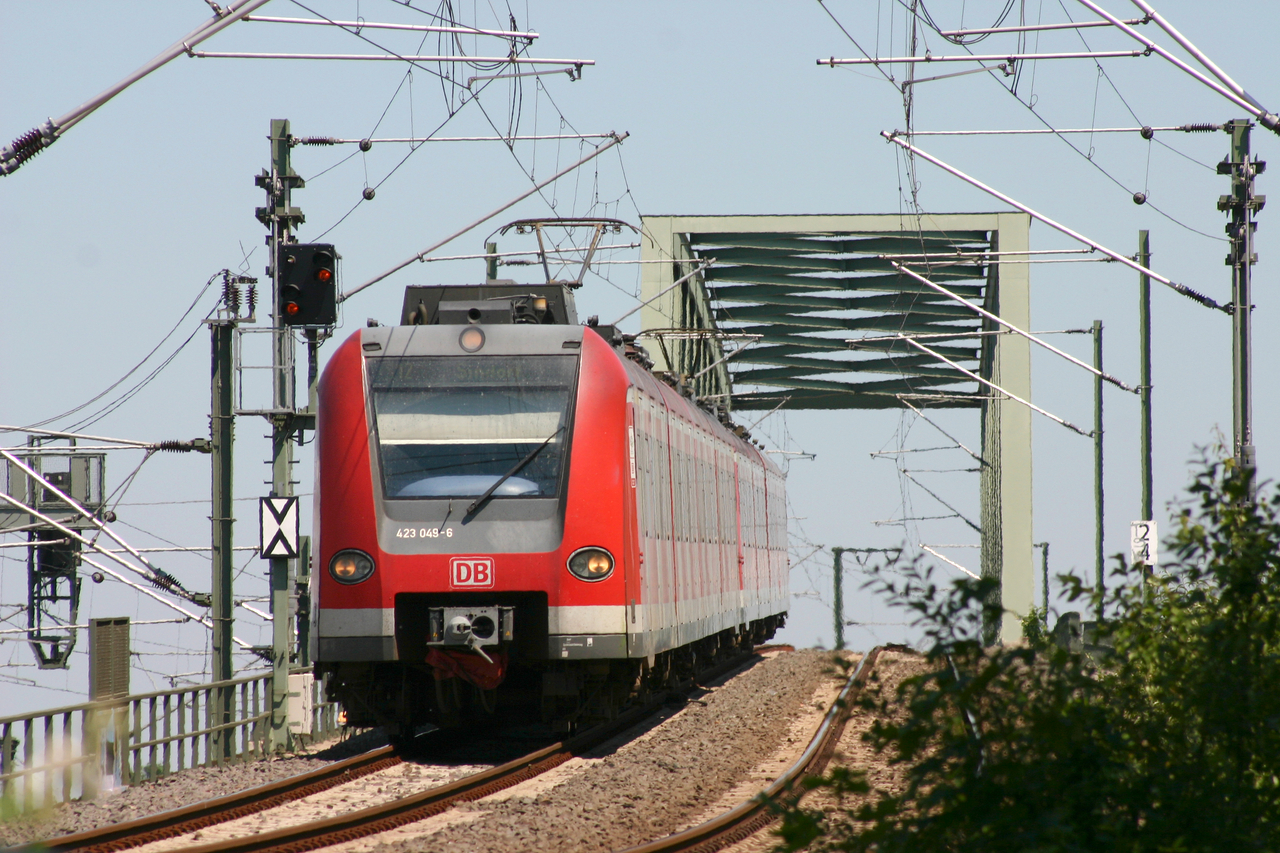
<point>449,561</point>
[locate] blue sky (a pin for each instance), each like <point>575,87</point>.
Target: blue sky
<point>107,237</point>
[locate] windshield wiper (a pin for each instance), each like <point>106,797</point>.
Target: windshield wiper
<point>478,502</point>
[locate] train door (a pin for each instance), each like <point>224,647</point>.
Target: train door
<point>739,550</point>
<point>716,538</point>
<point>724,526</point>
<point>689,507</point>
<point>772,504</point>
<point>667,471</point>
<point>720,574</point>
<point>651,559</point>
<point>633,529</point>
<point>751,537</point>
<point>684,575</point>
<point>663,582</point>
<point>704,564</point>
<point>698,495</point>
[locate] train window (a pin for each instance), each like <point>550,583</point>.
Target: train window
<point>450,427</point>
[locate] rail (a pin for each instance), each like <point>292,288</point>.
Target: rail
<point>754,815</point>
<point>351,825</point>
<point>80,751</point>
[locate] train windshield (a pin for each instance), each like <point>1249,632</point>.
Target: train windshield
<point>453,426</point>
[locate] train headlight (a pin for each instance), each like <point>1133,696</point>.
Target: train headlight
<point>351,566</point>
<point>471,339</point>
<point>591,564</point>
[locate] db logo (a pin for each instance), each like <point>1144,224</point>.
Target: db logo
<point>471,572</point>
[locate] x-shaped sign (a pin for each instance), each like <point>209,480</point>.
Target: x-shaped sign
<point>278,523</point>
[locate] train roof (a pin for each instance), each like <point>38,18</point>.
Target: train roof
<point>507,302</point>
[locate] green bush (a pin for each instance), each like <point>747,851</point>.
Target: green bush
<point>1170,744</point>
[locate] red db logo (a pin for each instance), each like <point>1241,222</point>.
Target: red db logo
<point>471,573</point>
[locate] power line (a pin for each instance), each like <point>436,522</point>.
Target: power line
<point>1047,124</point>
<point>137,366</point>
<point>451,110</point>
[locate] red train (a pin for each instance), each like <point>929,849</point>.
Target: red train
<point>513,512</point>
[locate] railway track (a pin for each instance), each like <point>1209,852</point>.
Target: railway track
<point>180,821</point>
<point>351,825</point>
<point>754,815</point>
<point>716,834</point>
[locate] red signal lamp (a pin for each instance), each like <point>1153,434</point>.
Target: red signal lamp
<point>308,278</point>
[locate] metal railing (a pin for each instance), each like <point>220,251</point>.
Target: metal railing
<point>79,751</point>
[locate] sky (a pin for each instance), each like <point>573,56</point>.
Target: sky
<point>107,240</point>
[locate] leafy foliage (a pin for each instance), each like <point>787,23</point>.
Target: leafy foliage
<point>1171,743</point>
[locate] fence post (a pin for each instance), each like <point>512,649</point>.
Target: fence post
<point>67,751</point>
<point>259,742</point>
<point>91,753</point>
<point>29,787</point>
<point>244,726</point>
<point>208,735</point>
<point>135,774</point>
<point>47,797</point>
<point>168,728</point>
<point>182,728</point>
<point>195,727</point>
<point>8,752</point>
<point>153,732</point>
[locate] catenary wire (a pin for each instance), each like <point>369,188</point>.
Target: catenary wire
<point>1094,163</point>
<point>991,73</point>
<point>137,366</point>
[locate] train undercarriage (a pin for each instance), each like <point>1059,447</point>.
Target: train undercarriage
<point>405,696</point>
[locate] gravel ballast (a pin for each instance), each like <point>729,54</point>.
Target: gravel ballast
<point>177,790</point>
<point>638,787</point>
<point>892,667</point>
<point>648,786</point>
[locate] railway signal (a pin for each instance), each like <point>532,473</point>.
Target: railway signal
<point>308,284</point>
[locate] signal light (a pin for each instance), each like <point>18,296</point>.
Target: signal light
<point>308,284</point>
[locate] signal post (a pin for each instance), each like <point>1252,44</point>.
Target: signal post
<point>304,294</point>
<point>1242,204</point>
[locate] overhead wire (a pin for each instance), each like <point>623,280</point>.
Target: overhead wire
<point>1114,88</point>
<point>137,366</point>
<point>106,410</point>
<point>910,196</point>
<point>1031,108</point>
<point>531,175</point>
<point>413,149</point>
<point>1099,166</point>
<point>961,39</point>
<point>451,111</point>
<point>850,37</point>
<point>627,193</point>
<point>120,491</point>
